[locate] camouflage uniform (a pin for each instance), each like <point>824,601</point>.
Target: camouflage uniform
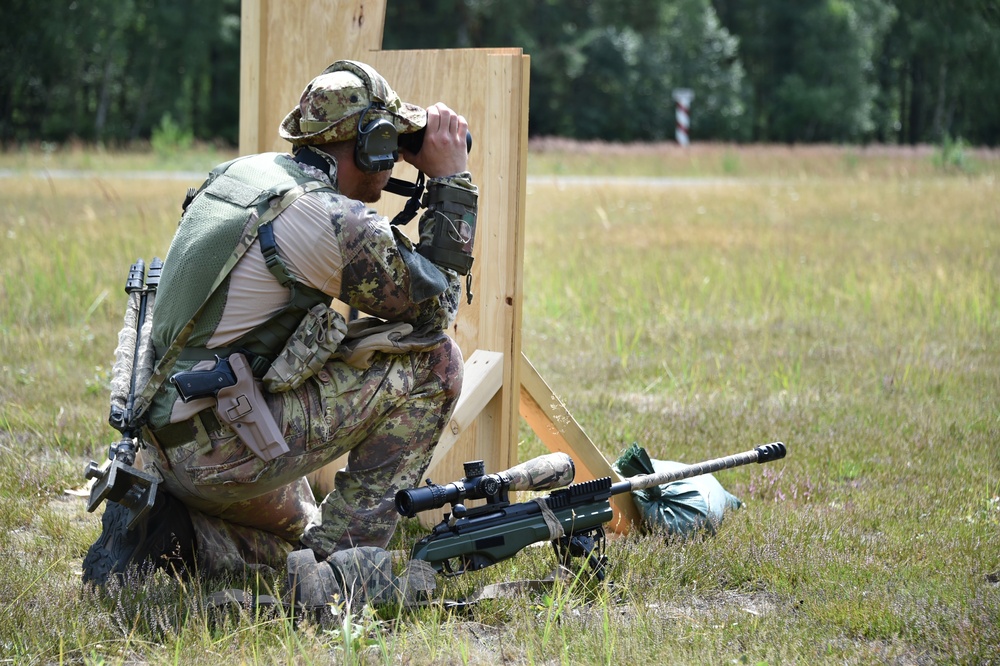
<point>386,411</point>
<point>248,513</point>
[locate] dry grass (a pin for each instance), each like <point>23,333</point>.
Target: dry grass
<point>562,156</point>
<point>844,301</point>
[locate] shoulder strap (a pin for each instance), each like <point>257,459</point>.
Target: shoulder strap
<point>169,358</point>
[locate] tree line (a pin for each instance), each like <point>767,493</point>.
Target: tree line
<point>846,71</point>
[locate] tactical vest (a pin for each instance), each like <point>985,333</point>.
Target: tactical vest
<point>215,221</point>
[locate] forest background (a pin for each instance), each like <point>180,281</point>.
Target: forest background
<point>114,72</point>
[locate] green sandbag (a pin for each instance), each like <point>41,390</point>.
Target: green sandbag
<point>682,507</point>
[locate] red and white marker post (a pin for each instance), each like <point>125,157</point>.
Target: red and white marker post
<point>683,97</point>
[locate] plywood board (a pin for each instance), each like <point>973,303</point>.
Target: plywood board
<point>283,45</point>
<point>490,88</point>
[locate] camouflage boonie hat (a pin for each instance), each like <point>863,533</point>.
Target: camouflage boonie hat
<point>330,105</point>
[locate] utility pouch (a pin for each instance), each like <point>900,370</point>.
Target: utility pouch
<point>242,406</point>
<point>448,232</point>
<point>310,346</point>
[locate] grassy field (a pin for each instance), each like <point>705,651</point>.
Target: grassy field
<point>845,301</point>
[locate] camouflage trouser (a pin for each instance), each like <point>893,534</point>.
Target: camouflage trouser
<point>249,514</point>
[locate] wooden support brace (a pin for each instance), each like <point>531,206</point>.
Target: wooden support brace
<point>559,431</point>
<point>483,379</point>
<point>546,415</point>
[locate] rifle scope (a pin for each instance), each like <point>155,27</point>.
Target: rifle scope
<point>553,470</point>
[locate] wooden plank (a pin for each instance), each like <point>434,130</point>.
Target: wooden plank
<point>283,45</point>
<point>560,432</point>
<point>520,218</point>
<point>486,86</point>
<point>251,101</point>
<point>483,379</point>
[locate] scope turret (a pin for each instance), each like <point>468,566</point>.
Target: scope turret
<point>411,502</point>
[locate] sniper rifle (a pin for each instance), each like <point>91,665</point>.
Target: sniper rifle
<point>571,517</point>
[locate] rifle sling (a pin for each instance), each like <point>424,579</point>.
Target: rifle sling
<point>551,520</point>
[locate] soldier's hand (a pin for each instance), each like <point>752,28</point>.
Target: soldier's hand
<point>444,151</point>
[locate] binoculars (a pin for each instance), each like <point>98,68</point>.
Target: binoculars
<point>413,141</point>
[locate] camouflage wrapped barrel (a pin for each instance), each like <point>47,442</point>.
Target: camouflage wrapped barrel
<point>554,470</point>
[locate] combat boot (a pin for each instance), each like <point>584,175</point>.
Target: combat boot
<point>356,576</point>
<point>163,539</point>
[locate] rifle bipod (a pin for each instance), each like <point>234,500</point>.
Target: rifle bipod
<point>589,544</point>
<point>121,482</point>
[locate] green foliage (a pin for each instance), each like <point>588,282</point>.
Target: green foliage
<point>810,66</point>
<point>108,70</point>
<point>169,138</point>
<point>890,71</point>
<point>934,73</point>
<point>604,70</point>
<point>951,155</point>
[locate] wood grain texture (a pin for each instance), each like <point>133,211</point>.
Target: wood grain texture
<point>559,431</point>
<point>285,43</point>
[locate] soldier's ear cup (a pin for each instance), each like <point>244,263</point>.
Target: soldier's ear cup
<point>377,146</point>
